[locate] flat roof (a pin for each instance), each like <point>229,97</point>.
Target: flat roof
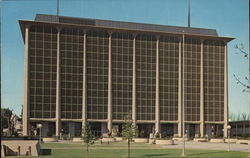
<point>122,26</point>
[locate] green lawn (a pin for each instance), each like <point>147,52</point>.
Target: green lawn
<point>119,150</point>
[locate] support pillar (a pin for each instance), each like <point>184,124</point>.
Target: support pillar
<point>225,93</point>
<point>58,86</point>
<point>201,94</point>
<point>26,103</point>
<point>157,104</point>
<point>84,85</point>
<point>179,92</point>
<point>110,86</point>
<point>134,84</point>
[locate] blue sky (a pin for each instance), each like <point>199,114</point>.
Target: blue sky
<point>228,17</point>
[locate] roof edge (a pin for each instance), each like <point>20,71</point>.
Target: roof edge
<point>22,24</point>
<point>123,24</point>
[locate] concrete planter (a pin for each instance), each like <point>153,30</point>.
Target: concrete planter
<point>164,141</point>
<point>118,139</point>
<point>77,140</point>
<point>217,140</point>
<point>231,140</point>
<point>200,140</point>
<point>242,141</point>
<point>151,141</point>
<point>140,140</point>
<point>50,139</point>
<point>180,139</point>
<point>107,140</point>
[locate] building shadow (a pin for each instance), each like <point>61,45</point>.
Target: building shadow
<point>204,153</point>
<point>45,152</point>
<point>155,155</point>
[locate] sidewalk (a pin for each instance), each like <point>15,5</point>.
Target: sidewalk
<point>208,145</point>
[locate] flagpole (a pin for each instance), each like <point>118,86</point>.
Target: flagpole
<point>57,8</point>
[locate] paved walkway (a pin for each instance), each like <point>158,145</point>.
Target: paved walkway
<point>208,145</point>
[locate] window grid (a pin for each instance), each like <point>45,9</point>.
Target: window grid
<point>122,75</point>
<point>214,80</point>
<point>97,74</point>
<point>42,63</point>
<point>168,66</point>
<point>71,50</point>
<point>192,79</point>
<point>145,76</point>
<point>43,67</point>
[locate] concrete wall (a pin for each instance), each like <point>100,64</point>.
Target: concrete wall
<point>22,147</point>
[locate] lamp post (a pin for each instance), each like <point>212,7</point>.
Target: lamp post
<point>228,135</point>
<point>183,95</point>
<point>40,126</point>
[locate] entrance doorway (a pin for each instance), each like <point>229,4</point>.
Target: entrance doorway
<point>145,129</point>
<point>117,129</point>
<point>191,131</point>
<point>167,130</point>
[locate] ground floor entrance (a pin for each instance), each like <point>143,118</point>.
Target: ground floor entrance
<point>71,129</point>
<point>214,130</point>
<point>48,129</point>
<point>98,128</point>
<point>169,130</point>
<point>117,129</point>
<point>144,130</point>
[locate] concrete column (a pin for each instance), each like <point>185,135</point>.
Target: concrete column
<point>134,83</point>
<point>179,92</point>
<point>225,92</point>
<point>26,103</point>
<point>201,95</point>
<point>58,87</point>
<point>110,86</point>
<point>84,82</point>
<point>157,101</point>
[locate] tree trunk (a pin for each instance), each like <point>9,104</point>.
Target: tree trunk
<point>87,152</point>
<point>128,148</point>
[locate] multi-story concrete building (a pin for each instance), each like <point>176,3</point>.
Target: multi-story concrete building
<point>101,71</point>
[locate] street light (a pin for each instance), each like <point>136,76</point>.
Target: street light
<point>228,135</point>
<point>183,95</point>
<point>40,126</point>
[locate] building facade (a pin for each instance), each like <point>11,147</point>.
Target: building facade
<point>240,128</point>
<point>101,71</point>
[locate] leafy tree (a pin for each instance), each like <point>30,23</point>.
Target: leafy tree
<point>157,135</point>
<point>128,132</point>
<point>5,118</point>
<point>21,115</point>
<point>87,136</point>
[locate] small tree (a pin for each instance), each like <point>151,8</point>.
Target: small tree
<point>88,138</point>
<point>6,114</point>
<point>128,132</point>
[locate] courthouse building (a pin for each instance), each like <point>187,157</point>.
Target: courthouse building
<point>102,71</point>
